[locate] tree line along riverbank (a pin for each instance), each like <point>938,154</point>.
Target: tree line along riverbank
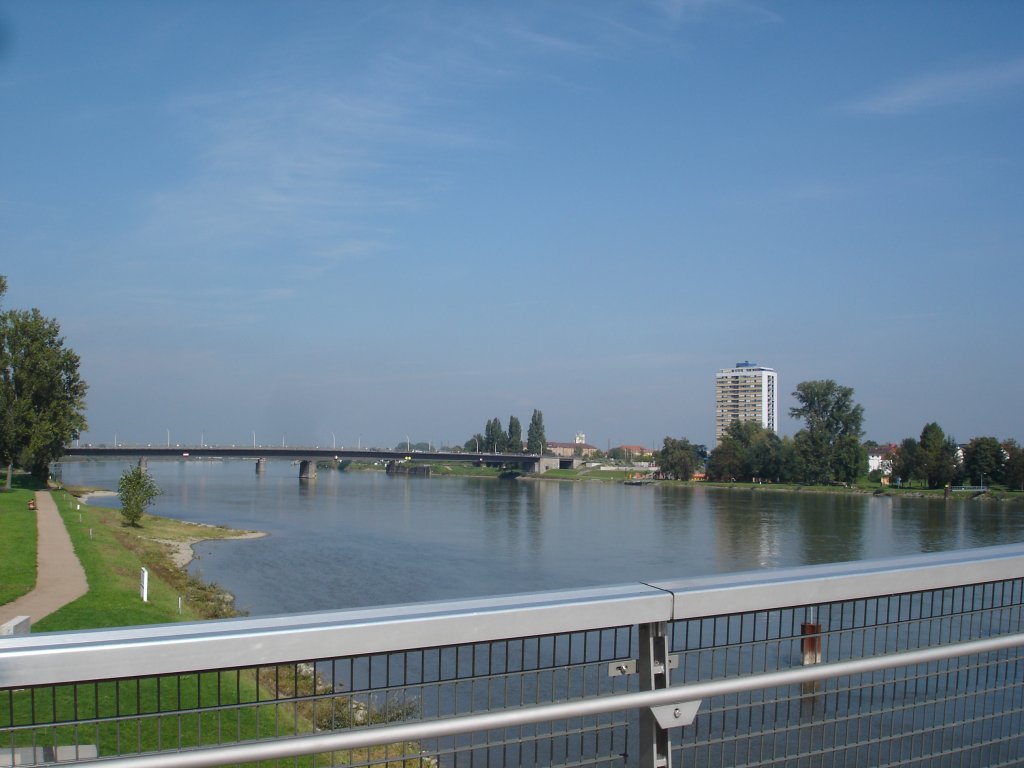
<point>621,474</point>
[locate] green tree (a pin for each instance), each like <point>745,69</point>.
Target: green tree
<point>984,460</point>
<point>476,443</point>
<point>937,458</point>
<point>728,461</point>
<point>906,464</point>
<point>829,443</point>
<point>1014,473</point>
<point>677,459</point>
<point>791,465</point>
<point>137,490</point>
<point>746,451</point>
<point>497,440</point>
<point>535,439</point>
<point>515,435</point>
<point>42,395</point>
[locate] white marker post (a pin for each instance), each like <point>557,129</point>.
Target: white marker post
<point>144,585</point>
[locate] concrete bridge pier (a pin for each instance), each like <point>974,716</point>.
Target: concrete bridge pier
<point>261,466</point>
<point>307,469</point>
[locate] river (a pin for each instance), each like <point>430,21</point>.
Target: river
<point>365,538</point>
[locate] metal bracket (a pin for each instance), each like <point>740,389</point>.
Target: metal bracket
<point>624,667</point>
<point>628,666</point>
<point>676,715</point>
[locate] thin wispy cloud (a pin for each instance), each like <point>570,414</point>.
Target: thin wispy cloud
<point>548,42</point>
<point>942,89</point>
<point>302,165</point>
<point>695,10</point>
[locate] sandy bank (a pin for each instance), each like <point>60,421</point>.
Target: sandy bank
<point>84,498</point>
<point>181,550</point>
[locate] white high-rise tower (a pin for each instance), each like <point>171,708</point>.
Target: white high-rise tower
<point>748,392</point>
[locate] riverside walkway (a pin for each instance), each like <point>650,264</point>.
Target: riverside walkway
<point>60,577</point>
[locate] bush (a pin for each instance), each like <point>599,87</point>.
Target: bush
<point>137,491</point>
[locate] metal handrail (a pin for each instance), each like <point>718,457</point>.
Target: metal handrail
<point>60,657</point>
<point>509,718</point>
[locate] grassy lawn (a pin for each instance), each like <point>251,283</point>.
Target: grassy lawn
<point>112,556</point>
<point>458,469</point>
<point>590,473</point>
<point>17,541</point>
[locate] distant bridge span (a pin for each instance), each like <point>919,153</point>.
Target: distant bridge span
<point>308,457</point>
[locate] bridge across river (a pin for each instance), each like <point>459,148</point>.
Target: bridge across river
<point>308,457</point>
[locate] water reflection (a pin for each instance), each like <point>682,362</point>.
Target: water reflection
<point>364,538</point>
<point>830,529</point>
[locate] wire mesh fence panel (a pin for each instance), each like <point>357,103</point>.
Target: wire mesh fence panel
<point>181,712</point>
<point>962,711</point>
<point>472,683</point>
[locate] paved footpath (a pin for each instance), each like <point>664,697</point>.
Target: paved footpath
<point>60,577</point>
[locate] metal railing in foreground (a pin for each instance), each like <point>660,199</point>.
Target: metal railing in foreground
<point>910,661</point>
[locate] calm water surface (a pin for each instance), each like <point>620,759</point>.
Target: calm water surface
<point>364,538</point>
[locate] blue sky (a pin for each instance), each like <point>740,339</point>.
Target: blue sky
<point>381,219</point>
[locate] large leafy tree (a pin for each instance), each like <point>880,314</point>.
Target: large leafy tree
<point>677,459</point>
<point>746,451</point>
<point>984,459</point>
<point>535,439</point>
<point>728,461</point>
<point>749,451</point>
<point>937,460</point>
<point>829,444</point>
<point>906,464</point>
<point>1014,473</point>
<point>42,395</point>
<point>791,464</point>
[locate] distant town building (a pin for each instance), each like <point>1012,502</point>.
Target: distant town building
<point>631,450</point>
<point>748,392</point>
<point>568,450</point>
<point>880,458</point>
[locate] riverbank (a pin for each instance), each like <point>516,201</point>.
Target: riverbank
<point>599,474</point>
<point>990,495</point>
<point>113,555</point>
<point>590,474</point>
<point>179,536</point>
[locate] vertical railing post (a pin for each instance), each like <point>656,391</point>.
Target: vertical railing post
<point>655,746</point>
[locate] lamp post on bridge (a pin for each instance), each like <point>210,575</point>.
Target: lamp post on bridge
<point>168,437</point>
<point>334,442</point>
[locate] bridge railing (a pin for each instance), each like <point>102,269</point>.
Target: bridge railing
<point>909,661</point>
